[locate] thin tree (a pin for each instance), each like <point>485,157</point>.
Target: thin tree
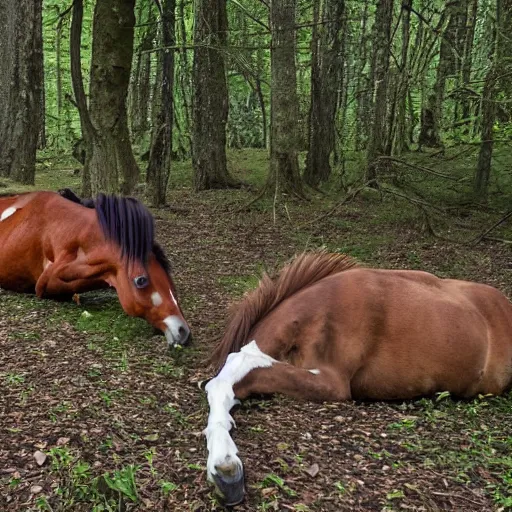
<point>109,162</point>
<point>284,175</point>
<point>210,102</point>
<point>497,81</point>
<point>400,133</point>
<point>381,48</point>
<point>161,145</point>
<point>21,81</point>
<point>326,80</point>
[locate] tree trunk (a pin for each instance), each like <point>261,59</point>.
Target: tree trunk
<point>361,130</point>
<point>140,87</point>
<point>210,105</point>
<point>400,134</point>
<point>483,169</point>
<point>161,144</point>
<point>467,57</point>
<point>109,156</point>
<point>447,65</point>
<point>326,79</point>
<point>497,81</point>
<point>380,69</point>
<point>21,82</point>
<point>284,176</point>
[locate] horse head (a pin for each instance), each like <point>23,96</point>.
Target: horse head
<point>141,272</point>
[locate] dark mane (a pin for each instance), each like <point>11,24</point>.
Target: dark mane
<point>162,258</point>
<point>305,270</point>
<point>128,223</point>
<point>118,213</point>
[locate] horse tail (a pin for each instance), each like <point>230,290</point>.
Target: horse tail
<point>303,271</point>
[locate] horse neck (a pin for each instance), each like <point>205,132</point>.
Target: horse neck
<point>287,326</point>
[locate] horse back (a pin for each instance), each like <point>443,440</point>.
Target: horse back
<point>398,334</point>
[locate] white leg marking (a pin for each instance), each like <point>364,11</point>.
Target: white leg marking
<point>222,450</point>
<point>7,213</point>
<point>156,299</point>
<point>172,297</point>
<point>315,371</point>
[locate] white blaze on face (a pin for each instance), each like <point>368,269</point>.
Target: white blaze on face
<point>7,213</point>
<point>156,299</point>
<point>172,297</point>
<point>222,451</point>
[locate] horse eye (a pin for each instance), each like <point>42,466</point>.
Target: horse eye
<point>141,281</point>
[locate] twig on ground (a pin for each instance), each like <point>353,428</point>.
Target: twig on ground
<point>345,200</point>
<point>418,167</point>
<point>480,237</point>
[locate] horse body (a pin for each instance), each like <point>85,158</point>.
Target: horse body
<point>56,247</point>
<point>328,330</point>
<point>390,334</point>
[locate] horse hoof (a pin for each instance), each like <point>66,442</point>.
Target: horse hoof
<point>230,485</point>
<point>201,384</point>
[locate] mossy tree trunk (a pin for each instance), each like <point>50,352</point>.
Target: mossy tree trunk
<point>109,162</point>
<point>497,81</point>
<point>161,144</point>
<point>284,176</point>
<point>380,70</point>
<point>21,82</point>
<point>326,80</point>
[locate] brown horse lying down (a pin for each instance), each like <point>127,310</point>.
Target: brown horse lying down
<point>325,329</point>
<point>54,246</point>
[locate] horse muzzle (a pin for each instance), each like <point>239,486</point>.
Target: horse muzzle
<point>229,483</point>
<point>177,332</point>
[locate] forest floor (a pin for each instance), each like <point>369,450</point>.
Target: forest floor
<point>118,417</point>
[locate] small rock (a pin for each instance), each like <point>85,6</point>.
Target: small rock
<point>339,419</point>
<point>62,441</point>
<point>358,457</point>
<point>40,458</point>
<point>313,470</point>
<point>36,489</point>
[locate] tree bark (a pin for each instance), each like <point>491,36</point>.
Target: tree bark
<point>109,158</point>
<point>21,83</point>
<point>284,176</point>
<point>326,80</point>
<point>140,87</point>
<point>400,134</point>
<point>448,57</point>
<point>380,70</point>
<point>161,146</point>
<point>210,104</point>
<point>497,81</point>
<point>468,56</point>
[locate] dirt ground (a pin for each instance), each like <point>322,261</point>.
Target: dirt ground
<point>95,401</point>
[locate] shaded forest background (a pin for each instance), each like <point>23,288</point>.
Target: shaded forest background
<point>376,128</point>
<point>342,94</point>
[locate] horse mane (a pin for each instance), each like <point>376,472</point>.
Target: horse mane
<point>128,223</point>
<point>115,213</point>
<point>304,270</point>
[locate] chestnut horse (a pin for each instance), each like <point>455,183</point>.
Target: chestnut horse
<point>56,247</point>
<point>326,329</point>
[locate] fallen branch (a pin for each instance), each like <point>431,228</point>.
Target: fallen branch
<point>345,200</point>
<point>418,167</point>
<point>418,202</point>
<point>480,237</point>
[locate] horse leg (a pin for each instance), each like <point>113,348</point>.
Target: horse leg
<point>68,276</point>
<point>224,467</point>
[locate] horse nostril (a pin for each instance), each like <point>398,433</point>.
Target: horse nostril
<point>183,332</point>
